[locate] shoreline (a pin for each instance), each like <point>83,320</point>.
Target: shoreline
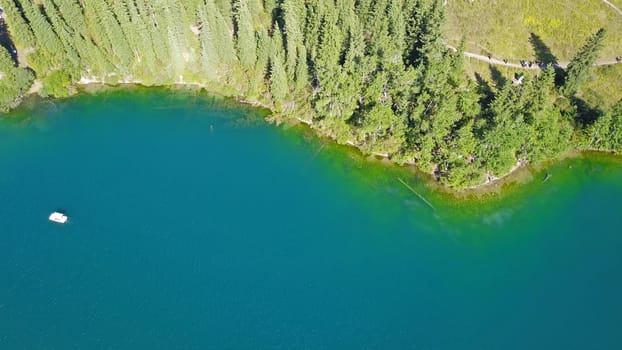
<point>85,82</point>
<point>519,174</point>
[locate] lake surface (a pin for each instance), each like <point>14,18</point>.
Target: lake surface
<point>196,225</point>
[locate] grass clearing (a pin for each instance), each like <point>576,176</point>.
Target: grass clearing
<point>493,75</point>
<point>602,91</point>
<point>605,87</point>
<point>504,27</point>
<point>617,3</point>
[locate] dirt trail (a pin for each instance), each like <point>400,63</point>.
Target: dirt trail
<point>614,7</point>
<point>506,63</point>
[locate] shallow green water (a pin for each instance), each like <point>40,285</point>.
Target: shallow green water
<point>195,225</point>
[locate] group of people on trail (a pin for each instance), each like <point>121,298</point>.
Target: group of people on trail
<point>530,64</point>
<point>541,64</point>
<point>525,63</point>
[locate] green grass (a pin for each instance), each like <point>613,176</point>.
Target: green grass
<point>617,3</point>
<point>484,71</point>
<point>605,87</point>
<point>602,91</point>
<point>503,27</point>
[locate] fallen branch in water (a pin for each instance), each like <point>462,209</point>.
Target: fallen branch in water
<point>418,195</point>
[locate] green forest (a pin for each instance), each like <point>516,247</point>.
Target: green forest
<point>375,74</point>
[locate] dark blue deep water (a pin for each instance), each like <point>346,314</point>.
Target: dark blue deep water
<point>196,225</point>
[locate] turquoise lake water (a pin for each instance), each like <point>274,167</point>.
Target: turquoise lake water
<point>196,225</point>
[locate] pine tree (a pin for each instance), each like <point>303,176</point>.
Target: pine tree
<point>221,29</point>
<point>302,70</point>
<point>14,81</point>
<point>294,14</point>
<point>20,31</point>
<point>245,43</point>
<point>278,80</point>
<point>606,132</point>
<point>264,47</point>
<point>65,34</point>
<point>580,67</point>
<point>51,51</point>
<point>210,62</point>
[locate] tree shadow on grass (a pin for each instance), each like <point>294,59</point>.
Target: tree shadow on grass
<point>484,89</point>
<point>6,42</point>
<point>497,77</point>
<point>542,51</point>
<point>545,56</point>
<point>586,114</point>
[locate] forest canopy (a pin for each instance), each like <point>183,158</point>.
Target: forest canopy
<point>372,73</point>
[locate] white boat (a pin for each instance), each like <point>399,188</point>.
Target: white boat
<point>58,217</point>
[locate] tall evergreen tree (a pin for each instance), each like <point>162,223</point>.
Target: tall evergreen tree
<point>580,67</point>
<point>294,15</point>
<point>14,81</point>
<point>278,80</point>
<point>606,132</point>
<point>20,30</point>
<point>246,44</point>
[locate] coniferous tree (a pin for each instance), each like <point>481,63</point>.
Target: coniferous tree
<point>294,14</point>
<point>150,18</point>
<point>65,34</point>
<point>264,47</point>
<point>14,81</point>
<point>278,80</point>
<point>580,67</point>
<point>20,31</point>
<point>50,51</point>
<point>606,132</point>
<point>222,34</point>
<point>278,76</point>
<point>246,44</point>
<point>302,70</point>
